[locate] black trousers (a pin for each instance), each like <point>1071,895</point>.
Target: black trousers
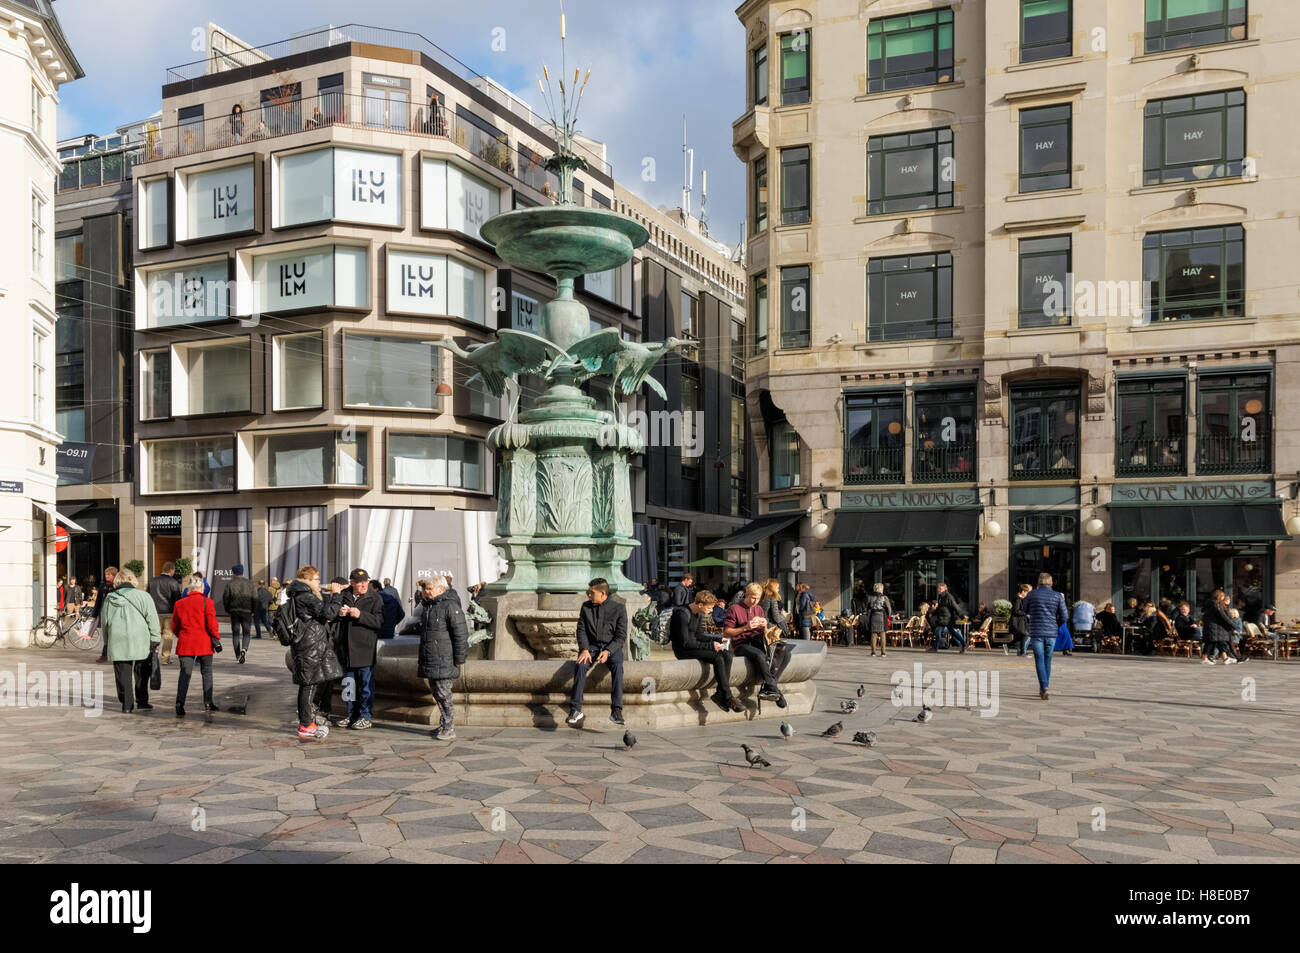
<point>187,670</point>
<point>721,662</point>
<point>758,655</point>
<point>240,628</point>
<point>132,683</point>
<point>307,695</point>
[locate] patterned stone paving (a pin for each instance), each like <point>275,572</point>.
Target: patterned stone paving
<point>1184,769</point>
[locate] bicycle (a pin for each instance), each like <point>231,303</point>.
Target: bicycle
<point>52,628</point>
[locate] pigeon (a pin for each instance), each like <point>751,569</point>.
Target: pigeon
<point>755,758</point>
<point>862,690</point>
<point>898,693</point>
<point>833,730</point>
<point>925,714</point>
<point>849,707</point>
<point>629,740</point>
<point>867,738</point>
<point>786,731</point>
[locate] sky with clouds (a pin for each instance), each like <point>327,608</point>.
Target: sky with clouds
<point>652,62</point>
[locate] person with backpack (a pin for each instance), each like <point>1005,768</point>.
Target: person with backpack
<point>874,618</point>
<point>240,602</point>
<point>194,622</point>
<point>1046,612</point>
<point>690,642</point>
<point>301,625</point>
<point>444,645</point>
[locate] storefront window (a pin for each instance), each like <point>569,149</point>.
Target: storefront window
<point>1045,542</point>
<point>1152,415</point>
<point>1233,433</point>
<point>910,580</point>
<point>1045,432</point>
<point>675,550</point>
<point>873,439</point>
<point>944,450</point>
<point>1192,572</point>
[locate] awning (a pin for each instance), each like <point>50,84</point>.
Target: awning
<point>904,528</point>
<point>59,517</point>
<point>1220,522</point>
<point>759,529</point>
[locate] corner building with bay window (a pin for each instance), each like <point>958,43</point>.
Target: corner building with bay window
<point>1022,296</point>
<point>295,260</point>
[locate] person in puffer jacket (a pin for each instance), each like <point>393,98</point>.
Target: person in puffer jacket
<point>314,663</point>
<point>444,643</point>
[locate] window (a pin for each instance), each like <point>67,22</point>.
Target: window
<point>737,351</point>
<point>184,293</point>
<point>190,127</point>
<point>152,209</point>
<point>40,231</point>
<point>1192,138</point>
<point>690,316</point>
<point>909,297</point>
<point>691,434</point>
<point>944,425</point>
<point>613,284</point>
<point>426,461</point>
<point>785,455</point>
<point>1045,282</point>
<point>330,276</point>
<point>909,50</point>
<point>40,377</point>
<point>1045,432</point>
<point>1045,30</point>
<point>795,187</point>
<point>760,194</point>
<point>155,384</point>
<point>70,368</point>
<point>1045,148</point>
<point>329,92</point>
<point>452,198</point>
<point>760,314</point>
<point>739,457</point>
<point>310,458</point>
<point>38,112</point>
<point>1151,416</point>
<point>483,139</point>
<point>435,285</point>
<point>796,49</point>
<point>282,108</point>
<point>759,75</point>
<point>69,257</point>
<point>524,312</point>
<point>211,378</point>
<point>399,373</point>
<point>336,184</point>
<point>189,465</point>
<point>1233,433</point>
<point>215,203</point>
<point>909,172</point>
<point>796,328</point>
<point>298,370</point>
<point>1177,24</point>
<point>873,438</point>
<point>388,101</point>
<point>1195,273</point>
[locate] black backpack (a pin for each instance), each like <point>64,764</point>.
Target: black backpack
<point>285,623</point>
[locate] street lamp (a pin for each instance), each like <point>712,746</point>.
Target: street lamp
<point>1094,527</point>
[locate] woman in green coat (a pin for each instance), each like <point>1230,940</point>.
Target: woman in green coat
<point>130,624</point>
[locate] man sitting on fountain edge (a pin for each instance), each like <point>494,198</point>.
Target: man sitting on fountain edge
<point>602,628</point>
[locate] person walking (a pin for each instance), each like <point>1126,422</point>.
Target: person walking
<point>874,619</point>
<point>945,612</point>
<point>689,641</point>
<point>602,633</point>
<point>262,610</point>
<point>1045,610</point>
<point>804,602</point>
<point>130,624</point>
<point>194,620</point>
<point>165,590</point>
<point>1218,628</point>
<point>110,577</point>
<point>274,588</point>
<point>1019,622</point>
<point>746,627</point>
<point>314,661</point>
<point>392,609</point>
<point>360,616</point>
<point>239,602</point>
<point>444,645</point>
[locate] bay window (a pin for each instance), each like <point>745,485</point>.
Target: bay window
<point>211,377</point>
<point>188,465</point>
<point>393,372</point>
<point>431,461</point>
<point>309,458</point>
<point>452,198</point>
<point>297,370</point>
<point>435,285</point>
<point>336,184</point>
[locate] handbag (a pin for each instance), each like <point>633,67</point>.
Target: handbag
<point>155,676</point>
<point>773,634</point>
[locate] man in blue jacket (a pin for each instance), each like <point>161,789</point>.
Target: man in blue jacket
<point>1046,610</point>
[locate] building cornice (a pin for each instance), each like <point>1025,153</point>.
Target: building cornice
<point>39,148</point>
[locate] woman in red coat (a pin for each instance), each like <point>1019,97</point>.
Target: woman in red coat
<point>194,620</point>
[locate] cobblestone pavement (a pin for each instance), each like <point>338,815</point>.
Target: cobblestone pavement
<point>1188,763</point>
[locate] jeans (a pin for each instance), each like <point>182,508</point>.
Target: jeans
<point>363,687</point>
<point>721,662</point>
<point>953,633</point>
<point>132,683</point>
<point>877,638</point>
<point>239,626</point>
<point>1043,648</point>
<point>183,679</point>
<point>441,689</point>
<point>615,666</point>
<point>758,655</point>
<point>261,620</point>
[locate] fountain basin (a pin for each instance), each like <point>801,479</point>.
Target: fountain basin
<point>564,240</point>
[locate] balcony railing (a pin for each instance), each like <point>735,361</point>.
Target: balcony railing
<point>1149,456</point>
<point>274,120</point>
<point>95,169</point>
<point>1229,453</point>
<point>1045,459</point>
<point>864,465</point>
<point>948,463</point>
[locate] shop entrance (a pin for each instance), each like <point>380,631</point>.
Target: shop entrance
<point>1045,542</point>
<point>912,576</point>
<point>164,539</point>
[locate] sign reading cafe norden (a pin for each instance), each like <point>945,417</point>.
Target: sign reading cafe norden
<point>1191,492</point>
<point>898,499</point>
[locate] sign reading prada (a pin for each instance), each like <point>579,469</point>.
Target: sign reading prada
<point>219,202</point>
<point>367,187</point>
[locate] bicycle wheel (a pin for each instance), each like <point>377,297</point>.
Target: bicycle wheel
<point>45,633</point>
<point>72,636</point>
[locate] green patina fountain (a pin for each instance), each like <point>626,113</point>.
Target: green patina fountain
<point>564,502</point>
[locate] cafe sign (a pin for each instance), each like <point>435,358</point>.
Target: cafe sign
<point>1197,492</point>
<point>910,499</point>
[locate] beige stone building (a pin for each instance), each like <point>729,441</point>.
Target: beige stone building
<point>1023,295</point>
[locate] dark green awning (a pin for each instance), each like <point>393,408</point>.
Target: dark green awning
<point>1216,523</point>
<point>759,529</point>
<point>874,528</point>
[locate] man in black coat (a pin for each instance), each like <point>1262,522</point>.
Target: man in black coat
<point>691,642</point>
<point>165,590</point>
<point>361,616</point>
<point>946,612</point>
<point>683,594</point>
<point>444,644</point>
<point>602,629</point>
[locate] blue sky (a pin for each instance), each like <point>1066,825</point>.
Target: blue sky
<point>652,62</point>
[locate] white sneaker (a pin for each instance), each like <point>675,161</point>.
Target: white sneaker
<point>1230,661</point>
<point>1207,661</point>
